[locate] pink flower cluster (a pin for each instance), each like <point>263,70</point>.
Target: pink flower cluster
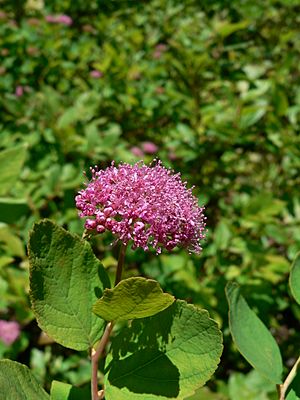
<point>148,205</point>
<point>59,19</point>
<point>9,331</point>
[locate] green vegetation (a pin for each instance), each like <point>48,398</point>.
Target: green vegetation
<point>212,88</point>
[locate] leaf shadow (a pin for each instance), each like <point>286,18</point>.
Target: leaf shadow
<point>139,359</point>
<point>163,380</point>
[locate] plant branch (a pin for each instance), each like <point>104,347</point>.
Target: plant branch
<point>283,388</point>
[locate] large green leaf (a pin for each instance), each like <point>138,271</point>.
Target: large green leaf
<point>64,391</point>
<point>295,278</point>
<point>11,162</point>
<point>65,279</point>
<point>18,383</point>
<point>132,298</point>
<point>251,337</point>
<point>168,355</point>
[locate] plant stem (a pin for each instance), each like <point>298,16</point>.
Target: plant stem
<point>283,388</point>
<point>99,350</point>
<point>85,234</point>
<point>96,354</point>
<point>120,263</point>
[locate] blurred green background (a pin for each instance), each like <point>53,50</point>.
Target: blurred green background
<point>212,88</point>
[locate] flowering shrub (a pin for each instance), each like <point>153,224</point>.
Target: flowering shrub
<point>215,86</point>
<point>74,304</point>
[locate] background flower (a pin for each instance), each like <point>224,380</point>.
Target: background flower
<point>59,19</point>
<point>9,331</point>
<point>149,147</point>
<point>96,74</point>
<point>136,151</point>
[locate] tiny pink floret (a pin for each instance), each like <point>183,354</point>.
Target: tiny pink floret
<point>149,206</point>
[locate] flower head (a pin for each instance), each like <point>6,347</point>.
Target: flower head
<point>148,205</point>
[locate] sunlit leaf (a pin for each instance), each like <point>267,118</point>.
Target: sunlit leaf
<point>295,278</point>
<point>65,279</point>
<point>11,162</point>
<point>169,355</point>
<point>64,391</point>
<point>132,298</point>
<point>251,337</point>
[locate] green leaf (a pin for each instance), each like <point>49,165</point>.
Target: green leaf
<point>292,395</point>
<point>251,386</point>
<point>252,338</point>
<point>12,244</point>
<point>65,280</point>
<point>295,278</point>
<point>4,260</point>
<point>251,114</point>
<point>225,28</point>
<point>67,118</point>
<point>11,162</point>
<point>18,383</point>
<point>132,298</point>
<point>168,355</point>
<point>11,210</point>
<point>293,390</point>
<point>205,393</point>
<point>64,391</point>
<point>222,235</point>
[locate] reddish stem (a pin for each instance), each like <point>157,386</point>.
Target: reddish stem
<point>100,348</point>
